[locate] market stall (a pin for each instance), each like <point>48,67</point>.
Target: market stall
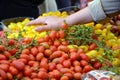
<point>71,53</point>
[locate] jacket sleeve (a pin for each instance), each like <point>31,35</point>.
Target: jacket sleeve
<point>104,9</point>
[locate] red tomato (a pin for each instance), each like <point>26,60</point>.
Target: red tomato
<point>70,75</point>
<point>7,54</point>
<point>9,76</point>
<point>84,57</point>
<point>24,56</point>
<point>83,63</point>
<point>67,63</point>
<point>32,58</point>
<point>74,56</point>
<point>13,70</point>
<point>19,75</point>
<point>65,70</point>
<point>39,56</point>
<point>30,63</point>
<point>3,74</point>
<point>4,67</point>
<point>34,75</point>
<point>52,34</point>
<point>53,48</point>
<point>73,50</point>
<point>60,60</point>
<point>18,64</point>
<point>92,46</point>
<point>59,66</point>
<point>25,51</point>
<point>55,60</point>
<point>4,62</point>
<point>43,75</point>
<point>34,51</point>
<point>41,49</point>
<point>65,43</point>
<point>52,66</point>
<point>64,25</point>
<point>2,57</point>
<point>61,34</point>
<point>65,56</point>
<point>56,54</point>
<point>63,48</point>
<point>47,52</point>
<point>64,78</point>
<point>36,64</point>
<point>77,69</point>
<point>97,65</point>
<point>13,51</point>
<point>56,74</point>
<point>23,60</point>
<point>11,42</point>
<point>44,64</point>
<point>77,76</point>
<point>76,63</point>
<point>47,38</point>
<point>2,47</point>
<point>56,43</point>
<point>28,72</point>
<point>80,51</point>
<point>87,68</point>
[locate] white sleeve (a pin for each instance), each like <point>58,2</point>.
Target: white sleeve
<point>100,9</point>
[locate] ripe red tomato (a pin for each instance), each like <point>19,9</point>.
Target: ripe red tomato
<point>78,69</point>
<point>39,56</point>
<point>92,46</point>
<point>97,65</point>
<point>11,42</point>
<point>84,57</point>
<point>4,67</point>
<point>52,34</point>
<point>3,74</point>
<point>7,54</point>
<point>9,76</point>
<point>34,51</point>
<point>13,70</point>
<point>61,34</point>
<point>25,51</point>
<point>2,47</point>
<point>2,57</point>
<point>70,75</point>
<point>63,48</point>
<point>56,54</point>
<point>77,76</point>
<point>64,25</point>
<point>87,68</point>
<point>41,49</point>
<point>67,63</point>
<point>43,75</point>
<point>56,74</point>
<point>83,63</point>
<point>64,77</point>
<point>52,66</point>
<point>47,52</point>
<point>76,63</point>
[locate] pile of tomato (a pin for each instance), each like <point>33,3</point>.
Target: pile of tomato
<point>47,58</point>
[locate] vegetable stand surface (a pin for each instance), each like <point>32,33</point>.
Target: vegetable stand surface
<point>64,54</point>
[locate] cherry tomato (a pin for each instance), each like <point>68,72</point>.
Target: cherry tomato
<point>52,34</point>
<point>67,63</point>
<point>41,49</point>
<point>43,75</point>
<point>76,63</point>
<point>9,76</point>
<point>63,48</point>
<point>3,74</point>
<point>87,68</point>
<point>56,74</point>
<point>64,25</point>
<point>61,34</point>
<point>25,51</point>
<point>78,69</point>
<point>34,51</point>
<point>2,47</point>
<point>13,70</point>
<point>11,42</point>
<point>70,75</point>
<point>92,46</point>
<point>97,65</point>
<point>4,67</point>
<point>64,78</point>
<point>84,57</point>
<point>77,76</point>
<point>52,66</point>
<point>47,52</point>
<point>18,64</point>
<point>39,56</point>
<point>2,57</point>
<point>83,63</point>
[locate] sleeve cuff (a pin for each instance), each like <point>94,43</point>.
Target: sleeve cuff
<point>97,11</point>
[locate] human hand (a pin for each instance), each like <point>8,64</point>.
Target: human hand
<point>47,23</point>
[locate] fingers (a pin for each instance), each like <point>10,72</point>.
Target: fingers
<point>42,28</point>
<point>37,21</point>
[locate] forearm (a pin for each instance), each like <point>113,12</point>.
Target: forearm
<point>80,17</point>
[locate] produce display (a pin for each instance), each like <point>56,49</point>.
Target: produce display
<point>65,54</point>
